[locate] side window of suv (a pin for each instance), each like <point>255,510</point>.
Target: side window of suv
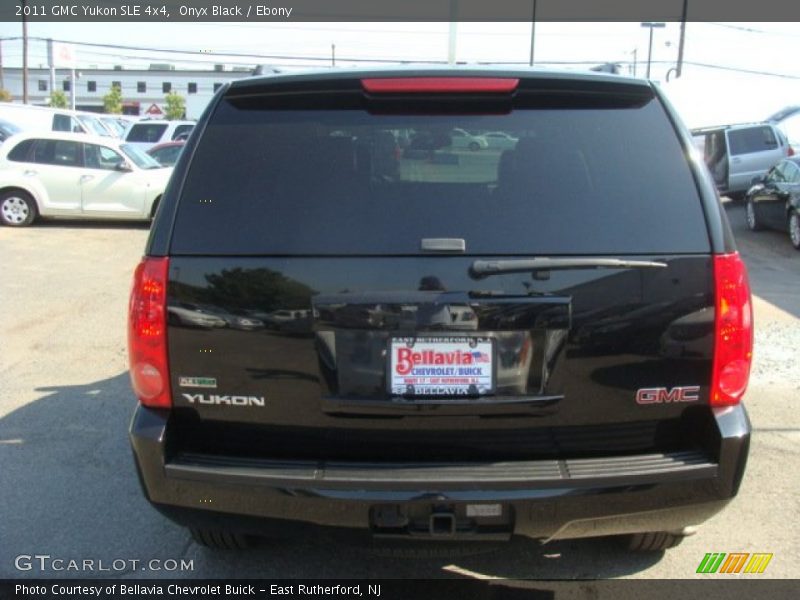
<point>752,139</point>
<point>57,152</point>
<point>100,157</point>
<point>22,151</point>
<point>62,123</point>
<point>66,123</point>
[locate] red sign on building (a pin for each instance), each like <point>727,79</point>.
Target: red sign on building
<point>154,109</point>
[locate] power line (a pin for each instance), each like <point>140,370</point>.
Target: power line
<point>752,30</point>
<point>221,54</point>
<point>740,70</point>
<point>211,58</point>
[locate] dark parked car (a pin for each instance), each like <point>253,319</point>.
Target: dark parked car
<point>487,344</point>
<point>774,200</point>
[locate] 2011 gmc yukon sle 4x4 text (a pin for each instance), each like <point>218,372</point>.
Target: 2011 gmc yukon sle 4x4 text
<point>549,339</point>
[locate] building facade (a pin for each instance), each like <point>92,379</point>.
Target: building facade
<point>141,89</point>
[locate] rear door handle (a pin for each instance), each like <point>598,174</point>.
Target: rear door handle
<point>85,178</point>
<point>736,161</point>
<point>30,173</point>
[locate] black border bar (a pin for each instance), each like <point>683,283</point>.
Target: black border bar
<point>715,587</point>
<point>398,10</point>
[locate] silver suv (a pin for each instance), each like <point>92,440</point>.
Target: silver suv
<point>737,154</point>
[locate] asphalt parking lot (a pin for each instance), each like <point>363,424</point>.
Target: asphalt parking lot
<point>70,491</point>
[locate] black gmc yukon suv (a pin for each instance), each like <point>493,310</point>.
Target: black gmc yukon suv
<point>445,304</point>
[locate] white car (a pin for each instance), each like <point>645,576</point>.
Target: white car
<point>148,132</point>
<point>500,140</point>
<point>460,138</point>
<point>76,175</point>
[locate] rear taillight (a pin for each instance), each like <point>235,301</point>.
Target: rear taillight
<point>147,333</point>
<point>790,152</point>
<point>733,330</point>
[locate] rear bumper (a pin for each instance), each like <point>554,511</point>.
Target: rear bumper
<point>547,499</point>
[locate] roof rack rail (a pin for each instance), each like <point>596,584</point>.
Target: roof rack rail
<point>727,125</point>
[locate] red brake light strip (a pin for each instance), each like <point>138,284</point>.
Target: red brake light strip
<point>446,85</point>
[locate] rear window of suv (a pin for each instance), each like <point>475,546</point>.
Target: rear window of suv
<point>752,139</point>
<point>348,182</point>
<point>181,129</point>
<point>146,132</point>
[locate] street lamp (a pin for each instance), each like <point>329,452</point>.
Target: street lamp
<point>651,26</point>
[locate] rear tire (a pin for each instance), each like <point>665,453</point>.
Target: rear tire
<point>753,222</point>
<point>218,539</point>
<point>17,208</point>
<point>794,228</point>
<point>653,541</point>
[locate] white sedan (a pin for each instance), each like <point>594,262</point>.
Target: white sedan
<point>500,140</point>
<point>74,175</point>
<point>461,138</point>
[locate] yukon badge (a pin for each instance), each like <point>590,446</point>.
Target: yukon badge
<point>226,400</point>
<point>661,395</point>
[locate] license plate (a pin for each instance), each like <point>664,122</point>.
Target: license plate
<point>441,366</point>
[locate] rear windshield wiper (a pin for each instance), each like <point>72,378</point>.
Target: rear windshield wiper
<point>484,268</point>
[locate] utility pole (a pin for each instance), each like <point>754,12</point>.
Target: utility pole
<point>451,43</point>
<point>679,68</point>
<point>451,40</point>
<point>333,55</point>
<point>52,63</point>
<point>2,82</point>
<point>634,52</point>
<point>72,83</point>
<point>24,54</point>
<point>651,26</point>
<point>533,30</point>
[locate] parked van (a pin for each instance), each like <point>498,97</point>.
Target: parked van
<point>42,118</point>
<point>736,154</point>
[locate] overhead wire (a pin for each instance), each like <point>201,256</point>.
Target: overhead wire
<point>211,58</point>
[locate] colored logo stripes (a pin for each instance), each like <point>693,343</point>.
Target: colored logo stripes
<point>735,562</point>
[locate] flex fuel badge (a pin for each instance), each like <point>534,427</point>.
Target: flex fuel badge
<point>197,382</point>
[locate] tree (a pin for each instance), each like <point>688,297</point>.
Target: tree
<point>112,101</point>
<point>58,99</point>
<point>176,106</point>
<point>5,96</point>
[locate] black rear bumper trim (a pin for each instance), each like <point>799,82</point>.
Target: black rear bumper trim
<point>623,470</point>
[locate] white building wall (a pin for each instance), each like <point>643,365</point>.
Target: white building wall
<point>204,84</point>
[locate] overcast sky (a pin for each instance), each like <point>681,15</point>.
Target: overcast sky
<point>768,48</point>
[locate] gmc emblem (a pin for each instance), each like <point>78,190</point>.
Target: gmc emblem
<point>660,395</point>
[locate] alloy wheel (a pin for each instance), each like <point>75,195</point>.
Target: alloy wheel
<point>15,210</point>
